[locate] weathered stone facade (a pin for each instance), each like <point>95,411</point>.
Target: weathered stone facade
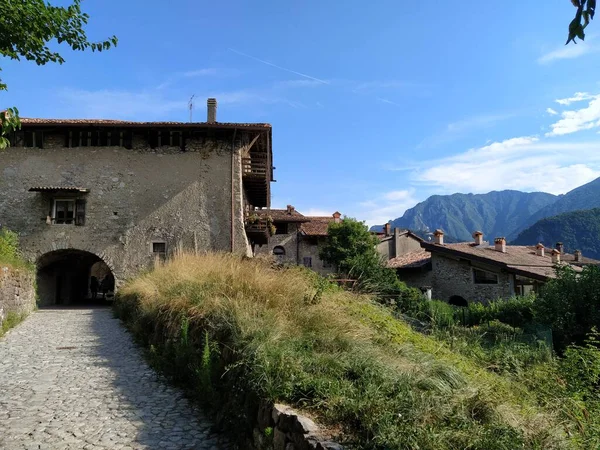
<point>288,241</point>
<point>452,277</point>
<point>309,248</point>
<point>17,292</point>
<point>140,199</point>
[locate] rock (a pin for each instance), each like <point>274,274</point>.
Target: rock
<point>278,439</point>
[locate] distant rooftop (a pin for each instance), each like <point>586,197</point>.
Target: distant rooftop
<point>25,121</point>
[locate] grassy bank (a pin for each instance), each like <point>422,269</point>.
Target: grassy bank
<point>9,251</point>
<point>223,326</point>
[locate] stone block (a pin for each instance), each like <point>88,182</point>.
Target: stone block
<point>279,439</point>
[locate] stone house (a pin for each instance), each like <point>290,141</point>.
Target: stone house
<point>479,272</point>
<point>110,197</point>
<point>402,251</point>
<point>297,238</point>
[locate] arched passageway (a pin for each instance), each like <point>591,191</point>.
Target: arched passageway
<point>71,277</point>
<point>457,300</point>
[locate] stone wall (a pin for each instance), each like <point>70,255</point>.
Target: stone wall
<point>17,292</point>
<point>136,197</point>
<point>288,241</point>
<point>289,430</point>
<point>451,277</point>
<point>309,247</point>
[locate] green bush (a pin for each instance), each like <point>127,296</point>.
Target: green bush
<point>515,311</point>
<point>9,249</point>
<point>570,304</point>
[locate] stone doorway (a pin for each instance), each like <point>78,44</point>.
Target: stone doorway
<point>65,277</point>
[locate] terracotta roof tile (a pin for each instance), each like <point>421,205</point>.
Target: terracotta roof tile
<point>283,215</point>
<point>317,226</point>
<point>58,189</point>
<point>414,259</point>
<point>127,123</point>
<point>522,259</point>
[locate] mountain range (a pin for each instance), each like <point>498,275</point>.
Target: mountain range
<point>577,230</point>
<point>497,213</point>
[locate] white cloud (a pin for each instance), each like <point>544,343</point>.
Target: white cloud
<point>578,97</point>
<point>387,206</point>
<point>551,111</point>
<point>524,163</point>
<point>202,72</point>
<point>566,52</point>
<point>318,212</point>
<point>576,120</point>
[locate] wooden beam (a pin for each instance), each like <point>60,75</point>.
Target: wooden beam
<point>246,153</point>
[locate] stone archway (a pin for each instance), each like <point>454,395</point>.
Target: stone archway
<point>63,276</point>
<point>457,300</point>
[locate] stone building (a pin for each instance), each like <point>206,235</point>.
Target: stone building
<point>480,272</point>
<point>297,238</point>
<point>402,251</point>
<point>109,197</point>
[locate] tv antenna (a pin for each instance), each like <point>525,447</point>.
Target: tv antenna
<point>191,106</point>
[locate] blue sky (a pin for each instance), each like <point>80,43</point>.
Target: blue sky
<point>374,105</point>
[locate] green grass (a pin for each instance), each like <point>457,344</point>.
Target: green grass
<point>9,251</point>
<point>235,329</point>
<point>11,320</point>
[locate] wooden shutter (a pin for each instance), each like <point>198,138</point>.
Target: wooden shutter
<point>153,138</point>
<point>80,212</point>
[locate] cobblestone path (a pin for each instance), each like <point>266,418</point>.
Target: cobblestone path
<point>73,379</point>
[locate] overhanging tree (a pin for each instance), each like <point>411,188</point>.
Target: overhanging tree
<point>28,27</point>
<point>585,12</point>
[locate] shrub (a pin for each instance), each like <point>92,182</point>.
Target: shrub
<point>9,249</point>
<point>570,305</point>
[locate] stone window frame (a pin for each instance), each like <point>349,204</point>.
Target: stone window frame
<point>487,273</point>
<point>157,254</point>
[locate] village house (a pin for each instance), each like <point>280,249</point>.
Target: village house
<point>401,251</point>
<point>298,238</point>
<point>479,272</point>
<point>108,197</point>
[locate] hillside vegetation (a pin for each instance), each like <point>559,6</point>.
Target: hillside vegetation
<point>577,230</point>
<point>496,213</point>
<point>228,326</point>
<point>583,197</point>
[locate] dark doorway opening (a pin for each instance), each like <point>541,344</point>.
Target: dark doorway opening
<point>457,300</point>
<point>73,277</point>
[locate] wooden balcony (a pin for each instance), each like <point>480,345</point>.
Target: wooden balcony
<point>256,173</point>
<point>259,230</point>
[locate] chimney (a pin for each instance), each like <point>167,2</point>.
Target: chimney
<point>336,217</point>
<point>500,244</point>
<point>555,256</point>
<point>560,247</point>
<point>539,249</point>
<point>478,236</point>
<point>290,209</point>
<point>397,246</point>
<point>387,228</point>
<point>211,105</point>
<point>577,255</point>
<point>439,237</point>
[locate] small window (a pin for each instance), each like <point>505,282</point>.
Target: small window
<point>159,249</point>
<point>457,300</point>
<point>279,252</point>
<point>281,228</point>
<point>307,261</point>
<point>64,211</point>
<point>33,139</point>
<point>484,277</point>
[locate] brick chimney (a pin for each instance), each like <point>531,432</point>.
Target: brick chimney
<point>290,209</point>
<point>560,247</point>
<point>539,249</point>
<point>439,237</point>
<point>478,236</point>
<point>500,244</point>
<point>577,255</point>
<point>336,217</point>
<point>387,228</point>
<point>555,256</point>
<point>211,105</point>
